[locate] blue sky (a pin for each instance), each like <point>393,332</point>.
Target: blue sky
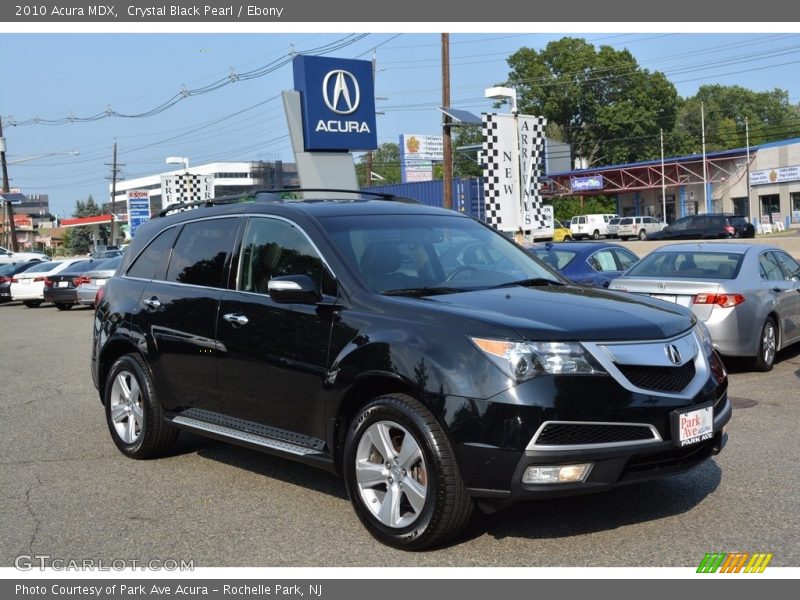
<point>54,75</point>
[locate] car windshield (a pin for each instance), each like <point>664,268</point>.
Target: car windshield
<point>688,265</point>
<point>78,267</point>
<point>425,255</point>
<point>554,257</point>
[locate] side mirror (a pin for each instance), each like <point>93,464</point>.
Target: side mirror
<point>293,289</point>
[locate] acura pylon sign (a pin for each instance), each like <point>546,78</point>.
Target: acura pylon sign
<point>337,98</point>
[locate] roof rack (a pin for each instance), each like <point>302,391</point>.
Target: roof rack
<point>273,195</point>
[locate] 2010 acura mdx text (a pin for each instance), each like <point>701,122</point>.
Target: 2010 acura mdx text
<point>420,354</point>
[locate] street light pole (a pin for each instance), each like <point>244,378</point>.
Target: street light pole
<point>11,229</point>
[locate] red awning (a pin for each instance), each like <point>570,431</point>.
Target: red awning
<point>83,221</point>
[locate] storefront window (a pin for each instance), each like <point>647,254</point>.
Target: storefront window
<point>770,204</point>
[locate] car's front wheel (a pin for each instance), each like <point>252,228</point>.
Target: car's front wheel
<point>402,477</point>
<point>32,303</point>
<point>63,306</point>
<point>133,413</point>
<point>642,235</point>
<point>767,346</point>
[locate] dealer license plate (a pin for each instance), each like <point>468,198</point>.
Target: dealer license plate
<point>63,283</point>
<point>693,426</point>
<point>666,297</point>
<point>98,282</point>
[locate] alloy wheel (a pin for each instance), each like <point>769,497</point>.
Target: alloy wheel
<point>126,407</point>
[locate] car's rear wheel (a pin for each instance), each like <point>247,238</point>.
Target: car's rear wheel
<point>595,235</point>
<point>402,477</point>
<point>133,414</point>
<point>567,239</point>
<point>767,347</point>
<point>642,235</point>
<point>32,303</point>
<point>63,306</point>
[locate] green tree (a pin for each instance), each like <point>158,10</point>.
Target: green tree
<point>385,162</point>
<point>567,207</point>
<point>607,107</point>
<point>465,160</point>
<point>80,239</point>
<point>770,117</point>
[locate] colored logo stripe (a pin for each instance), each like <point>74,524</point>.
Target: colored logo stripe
<point>734,562</point>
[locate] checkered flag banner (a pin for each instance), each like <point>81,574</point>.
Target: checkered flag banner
<point>499,163</point>
<point>532,149</point>
<point>186,187</point>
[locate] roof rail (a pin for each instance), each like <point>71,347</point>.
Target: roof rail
<point>273,195</point>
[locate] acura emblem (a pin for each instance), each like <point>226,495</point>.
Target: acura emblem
<point>344,95</point>
<point>662,286</point>
<point>673,354</point>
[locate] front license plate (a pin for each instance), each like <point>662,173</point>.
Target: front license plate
<point>666,297</point>
<point>63,283</point>
<point>693,426</point>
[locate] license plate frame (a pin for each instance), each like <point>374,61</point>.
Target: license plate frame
<point>692,425</point>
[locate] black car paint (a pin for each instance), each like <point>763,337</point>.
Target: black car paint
<point>305,369</point>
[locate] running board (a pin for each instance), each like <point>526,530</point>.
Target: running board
<point>237,435</point>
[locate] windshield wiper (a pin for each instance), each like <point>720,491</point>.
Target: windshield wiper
<point>533,282</point>
<point>423,291</point>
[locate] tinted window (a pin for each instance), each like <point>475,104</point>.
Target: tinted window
<point>79,267</point>
<point>625,258</point>
<point>147,262</point>
<point>602,260</point>
<point>201,252</point>
<point>769,268</point>
<point>557,259</point>
<point>626,221</point>
<point>790,266</point>
<point>274,248</point>
<point>43,267</point>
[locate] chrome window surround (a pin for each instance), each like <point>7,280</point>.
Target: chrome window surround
<point>532,445</point>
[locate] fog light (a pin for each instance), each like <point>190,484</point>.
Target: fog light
<point>557,474</point>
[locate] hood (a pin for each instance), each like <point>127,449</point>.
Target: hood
<point>570,313</point>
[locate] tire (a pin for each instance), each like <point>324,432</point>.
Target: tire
<point>134,416</point>
<point>642,235</point>
<point>767,347</point>
<point>596,235</point>
<point>567,239</point>
<point>63,306</point>
<point>437,508</point>
<point>32,303</point>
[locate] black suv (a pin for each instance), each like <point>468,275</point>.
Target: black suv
<point>425,357</point>
<point>705,227</point>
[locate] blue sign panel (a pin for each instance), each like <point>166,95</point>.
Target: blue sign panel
<point>337,96</point>
<point>594,182</point>
<point>138,209</point>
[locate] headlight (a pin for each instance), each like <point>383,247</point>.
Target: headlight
<point>525,360</point>
<point>705,337</point>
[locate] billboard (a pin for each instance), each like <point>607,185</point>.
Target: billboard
<point>417,155</point>
<point>579,184</point>
<point>337,99</point>
<point>186,187</point>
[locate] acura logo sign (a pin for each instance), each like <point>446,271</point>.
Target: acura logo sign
<point>673,354</point>
<point>344,95</point>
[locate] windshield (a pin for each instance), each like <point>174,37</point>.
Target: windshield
<point>688,265</point>
<point>42,267</point>
<point>435,254</point>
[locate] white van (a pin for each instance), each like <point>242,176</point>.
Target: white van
<point>593,226</point>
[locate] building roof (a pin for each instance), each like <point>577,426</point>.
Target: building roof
<point>83,221</point>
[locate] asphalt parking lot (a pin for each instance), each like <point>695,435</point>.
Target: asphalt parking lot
<point>65,490</point>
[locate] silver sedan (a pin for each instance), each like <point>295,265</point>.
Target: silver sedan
<point>93,280</point>
<point>748,295</point>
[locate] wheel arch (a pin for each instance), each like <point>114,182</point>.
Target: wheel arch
<point>109,355</point>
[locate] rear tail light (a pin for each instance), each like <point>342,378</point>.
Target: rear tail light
<point>723,300</point>
<point>98,296</point>
<point>47,282</point>
<point>729,229</point>
<point>14,280</point>
<point>81,279</point>
<point>35,279</point>
<point>5,279</point>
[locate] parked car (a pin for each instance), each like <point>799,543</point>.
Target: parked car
<point>7,272</point>
<point>108,253</point>
<point>641,227</point>
<point>746,294</point>
<point>62,288</point>
<point>589,263</point>
<point>330,332</point>
<point>706,226</point>
<point>94,279</point>
<point>611,228</point>
<point>561,232</point>
<point>8,257</point>
<point>28,286</point>
<point>590,226</point>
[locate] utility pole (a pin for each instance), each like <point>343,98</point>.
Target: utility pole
<point>11,231</point>
<point>115,169</point>
<point>747,138</point>
<point>447,167</point>
<point>705,169</point>
<point>369,154</point>
<point>663,183</point>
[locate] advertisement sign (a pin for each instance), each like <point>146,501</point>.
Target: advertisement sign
<point>337,99</point>
<point>417,155</point>
<point>501,172</point>
<point>593,182</point>
<point>186,187</point>
<point>138,209</point>
<point>536,220</point>
<point>781,175</point>
<point>796,216</point>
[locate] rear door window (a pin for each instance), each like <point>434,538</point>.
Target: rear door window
<point>202,252</point>
<point>791,267</point>
<point>145,266</point>
<point>769,268</point>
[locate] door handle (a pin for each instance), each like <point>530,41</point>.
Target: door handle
<point>236,320</point>
<point>152,303</point>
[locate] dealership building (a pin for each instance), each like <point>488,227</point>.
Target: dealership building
<point>762,183</point>
<point>226,178</point>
